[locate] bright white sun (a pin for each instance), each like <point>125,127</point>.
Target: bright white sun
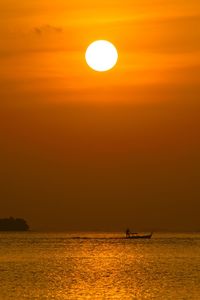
<point>101,56</point>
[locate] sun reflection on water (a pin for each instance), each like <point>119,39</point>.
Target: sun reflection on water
<point>57,266</point>
<point>102,270</point>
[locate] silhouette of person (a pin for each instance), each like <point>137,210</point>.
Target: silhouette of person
<point>128,232</point>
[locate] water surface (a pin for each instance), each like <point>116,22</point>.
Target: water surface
<point>104,266</point>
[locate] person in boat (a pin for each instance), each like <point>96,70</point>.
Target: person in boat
<point>128,233</point>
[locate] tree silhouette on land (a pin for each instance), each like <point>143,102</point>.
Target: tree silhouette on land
<point>12,224</point>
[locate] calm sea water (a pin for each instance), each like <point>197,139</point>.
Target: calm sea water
<point>57,266</point>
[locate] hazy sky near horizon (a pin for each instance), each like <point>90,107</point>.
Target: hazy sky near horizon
<point>82,150</point>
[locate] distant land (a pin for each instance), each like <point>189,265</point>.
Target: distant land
<point>12,224</point>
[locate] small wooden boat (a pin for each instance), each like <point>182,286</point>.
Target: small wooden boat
<point>136,235</point>
<point>139,236</point>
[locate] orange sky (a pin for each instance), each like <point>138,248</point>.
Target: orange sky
<point>96,143</point>
<point>44,44</point>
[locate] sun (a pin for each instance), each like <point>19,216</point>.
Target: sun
<point>101,55</point>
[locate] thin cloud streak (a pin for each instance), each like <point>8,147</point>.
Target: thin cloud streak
<point>46,29</point>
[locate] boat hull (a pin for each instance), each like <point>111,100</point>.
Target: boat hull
<point>135,237</point>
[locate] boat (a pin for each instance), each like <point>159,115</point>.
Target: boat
<point>136,235</point>
<point>139,236</point>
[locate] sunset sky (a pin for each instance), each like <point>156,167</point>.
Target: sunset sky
<point>83,150</point>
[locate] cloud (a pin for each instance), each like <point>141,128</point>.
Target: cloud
<point>47,29</point>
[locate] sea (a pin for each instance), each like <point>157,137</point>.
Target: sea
<point>97,265</point>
